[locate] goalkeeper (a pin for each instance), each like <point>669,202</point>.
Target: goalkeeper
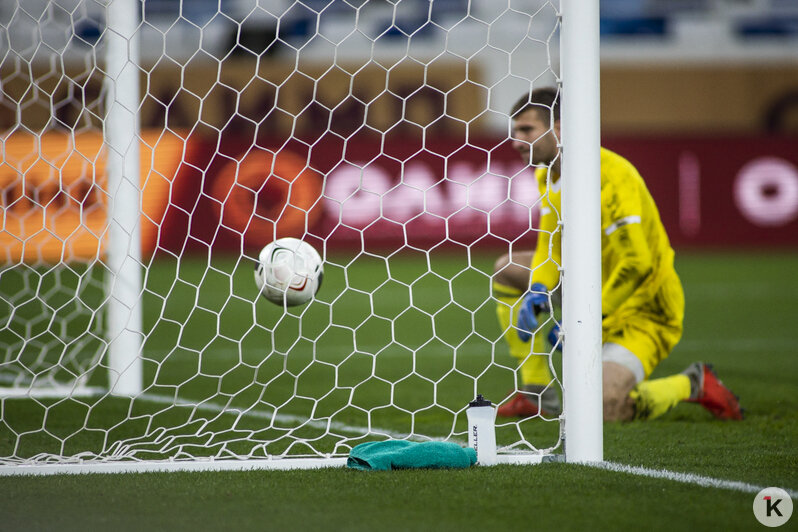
<point>642,302</point>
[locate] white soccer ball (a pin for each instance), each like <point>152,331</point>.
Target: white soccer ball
<point>289,272</point>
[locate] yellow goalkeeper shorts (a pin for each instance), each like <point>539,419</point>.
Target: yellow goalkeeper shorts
<point>651,330</point>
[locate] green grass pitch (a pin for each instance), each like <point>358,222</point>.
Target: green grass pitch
<point>208,342</point>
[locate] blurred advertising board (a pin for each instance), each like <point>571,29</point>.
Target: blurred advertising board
<point>721,191</point>
<point>54,193</point>
<point>230,194</point>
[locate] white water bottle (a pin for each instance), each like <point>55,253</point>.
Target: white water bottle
<point>482,430</point>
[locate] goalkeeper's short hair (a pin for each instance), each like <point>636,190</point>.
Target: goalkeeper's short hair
<point>545,100</point>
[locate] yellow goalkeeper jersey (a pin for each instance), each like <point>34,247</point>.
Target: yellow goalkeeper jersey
<point>636,255</point>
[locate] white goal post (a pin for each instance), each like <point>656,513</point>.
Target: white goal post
<point>581,134</point>
<point>125,287</point>
<point>149,150</point>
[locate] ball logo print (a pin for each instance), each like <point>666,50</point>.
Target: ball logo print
<point>289,271</point>
<point>773,507</point>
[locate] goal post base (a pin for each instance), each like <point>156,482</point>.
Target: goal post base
<point>528,458</point>
<point>276,464</point>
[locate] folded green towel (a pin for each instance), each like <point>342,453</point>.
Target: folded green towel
<point>401,454</point>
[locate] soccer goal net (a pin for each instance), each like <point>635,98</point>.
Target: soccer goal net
<point>151,149</point>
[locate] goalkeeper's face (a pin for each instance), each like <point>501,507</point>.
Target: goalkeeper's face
<point>534,139</point>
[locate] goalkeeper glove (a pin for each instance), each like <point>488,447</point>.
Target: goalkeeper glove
<point>535,301</point>
<point>554,337</point>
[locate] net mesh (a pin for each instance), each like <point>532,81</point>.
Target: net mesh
<point>375,131</point>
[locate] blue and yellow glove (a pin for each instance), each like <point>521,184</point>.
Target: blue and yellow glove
<point>554,337</point>
<point>535,301</point>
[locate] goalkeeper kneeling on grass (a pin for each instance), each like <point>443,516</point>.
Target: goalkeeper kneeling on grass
<point>642,301</point>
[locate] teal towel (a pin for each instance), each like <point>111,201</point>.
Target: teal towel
<point>401,454</point>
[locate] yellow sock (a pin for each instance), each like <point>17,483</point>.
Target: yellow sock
<point>534,367</point>
<point>655,397</point>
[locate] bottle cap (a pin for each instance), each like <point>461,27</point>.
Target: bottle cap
<point>480,401</point>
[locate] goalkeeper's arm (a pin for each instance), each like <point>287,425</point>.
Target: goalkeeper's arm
<point>545,273</point>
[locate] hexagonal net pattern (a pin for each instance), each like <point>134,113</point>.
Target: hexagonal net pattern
<point>377,132</point>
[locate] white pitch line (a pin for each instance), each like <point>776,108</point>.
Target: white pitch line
<point>685,478</point>
<point>282,418</point>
